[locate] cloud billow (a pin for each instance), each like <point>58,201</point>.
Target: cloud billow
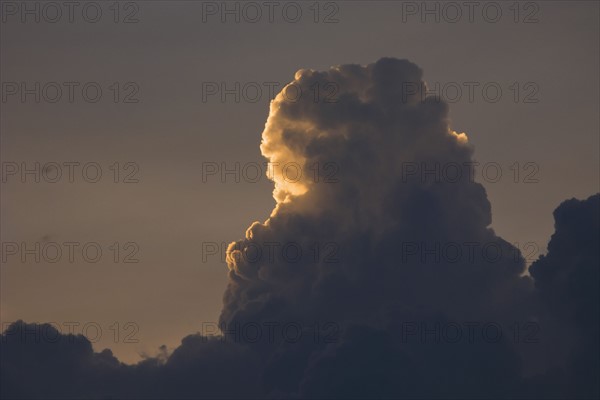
<point>376,126</point>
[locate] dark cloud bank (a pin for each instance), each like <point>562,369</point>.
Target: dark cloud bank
<point>373,313</point>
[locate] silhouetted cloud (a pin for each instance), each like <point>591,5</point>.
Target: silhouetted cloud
<point>40,362</point>
<point>397,286</point>
<point>567,280</point>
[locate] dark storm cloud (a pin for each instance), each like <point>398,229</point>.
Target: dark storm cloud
<point>40,362</point>
<point>390,313</point>
<point>567,280</point>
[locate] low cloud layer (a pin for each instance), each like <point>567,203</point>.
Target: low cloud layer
<point>398,287</point>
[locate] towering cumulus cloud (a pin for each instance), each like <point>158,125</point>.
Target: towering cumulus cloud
<point>377,273</point>
<point>405,229</point>
<point>387,192</point>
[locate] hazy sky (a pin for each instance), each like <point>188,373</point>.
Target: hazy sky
<point>170,57</point>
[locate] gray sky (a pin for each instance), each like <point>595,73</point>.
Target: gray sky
<point>168,56</point>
